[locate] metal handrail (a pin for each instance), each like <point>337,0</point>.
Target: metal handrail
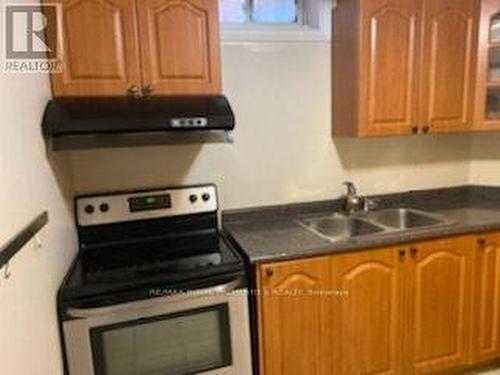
<point>17,243</point>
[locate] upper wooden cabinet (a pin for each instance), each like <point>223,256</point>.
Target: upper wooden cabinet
<point>448,65</point>
<point>294,317</point>
<point>180,46</point>
<point>403,67</point>
<point>100,48</point>
<point>487,108</point>
<point>376,56</point>
<point>486,302</point>
<point>119,47</point>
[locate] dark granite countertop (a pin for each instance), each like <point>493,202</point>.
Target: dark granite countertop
<point>272,233</point>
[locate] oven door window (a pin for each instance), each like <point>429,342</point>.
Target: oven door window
<point>183,343</point>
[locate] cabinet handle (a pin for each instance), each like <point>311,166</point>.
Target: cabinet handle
<point>269,272</point>
<point>147,90</point>
<point>413,252</point>
<point>426,129</point>
<point>414,129</point>
<point>402,253</point>
<point>481,241</point>
<point>133,90</point>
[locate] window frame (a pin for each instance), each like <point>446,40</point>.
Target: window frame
<point>304,32</point>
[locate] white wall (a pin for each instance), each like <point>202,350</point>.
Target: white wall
<point>30,183</point>
<point>283,150</point>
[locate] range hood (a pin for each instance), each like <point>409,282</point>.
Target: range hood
<point>95,122</point>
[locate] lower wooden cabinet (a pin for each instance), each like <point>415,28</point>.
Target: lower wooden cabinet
<point>367,312</point>
<point>294,317</point>
<point>414,309</point>
<point>486,314</point>
<point>439,295</point>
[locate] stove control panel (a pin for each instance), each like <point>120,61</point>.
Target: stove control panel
<point>145,205</point>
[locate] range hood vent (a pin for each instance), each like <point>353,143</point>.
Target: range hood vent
<point>98,122</point>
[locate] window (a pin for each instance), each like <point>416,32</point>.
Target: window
<point>288,20</point>
<point>259,11</point>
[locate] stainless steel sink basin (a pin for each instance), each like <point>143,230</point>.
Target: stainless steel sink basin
<point>339,227</point>
<point>404,219</point>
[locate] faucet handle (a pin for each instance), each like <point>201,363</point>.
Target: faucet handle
<point>370,204</point>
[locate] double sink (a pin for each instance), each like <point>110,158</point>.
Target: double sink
<point>339,227</point>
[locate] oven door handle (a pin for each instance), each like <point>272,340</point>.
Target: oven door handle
<point>144,304</point>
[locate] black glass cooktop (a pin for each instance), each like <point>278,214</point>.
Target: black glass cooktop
<point>121,262</point>
<point>117,273</point>
<point>165,254</point>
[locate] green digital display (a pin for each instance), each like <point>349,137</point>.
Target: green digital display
<point>150,202</point>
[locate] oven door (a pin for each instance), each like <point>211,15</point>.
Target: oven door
<point>201,332</point>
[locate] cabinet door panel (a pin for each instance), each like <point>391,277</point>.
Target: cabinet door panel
<point>366,316</point>
<point>486,318</point>
<point>100,49</point>
<point>390,48</point>
<point>487,108</point>
<point>440,293</point>
<point>180,46</point>
<point>446,99</point>
<point>294,317</point>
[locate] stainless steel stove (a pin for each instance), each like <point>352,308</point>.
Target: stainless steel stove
<point>155,288</point>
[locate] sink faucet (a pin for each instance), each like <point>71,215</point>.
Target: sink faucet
<point>353,203</point>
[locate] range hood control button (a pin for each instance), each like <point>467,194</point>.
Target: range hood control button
<point>205,197</point>
<point>89,209</point>
<point>193,198</point>
<point>104,207</point>
<point>189,122</point>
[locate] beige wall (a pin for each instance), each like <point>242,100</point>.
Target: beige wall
<point>29,341</point>
<point>485,159</point>
<point>283,151</point>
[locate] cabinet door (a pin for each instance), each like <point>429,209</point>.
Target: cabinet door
<point>486,317</point>
<point>487,108</point>
<point>100,49</point>
<point>180,46</point>
<point>439,296</point>
<point>447,74</point>
<point>366,316</point>
<point>390,48</point>
<point>293,319</point>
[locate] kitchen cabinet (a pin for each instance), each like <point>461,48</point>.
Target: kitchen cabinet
<point>439,295</point>
<point>99,47</point>
<point>486,303</point>
<point>376,55</point>
<point>403,67</point>
<point>487,105</point>
<point>294,317</point>
<point>448,65</point>
<point>180,46</point>
<point>138,47</point>
<point>367,320</point>
<point>404,309</point>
